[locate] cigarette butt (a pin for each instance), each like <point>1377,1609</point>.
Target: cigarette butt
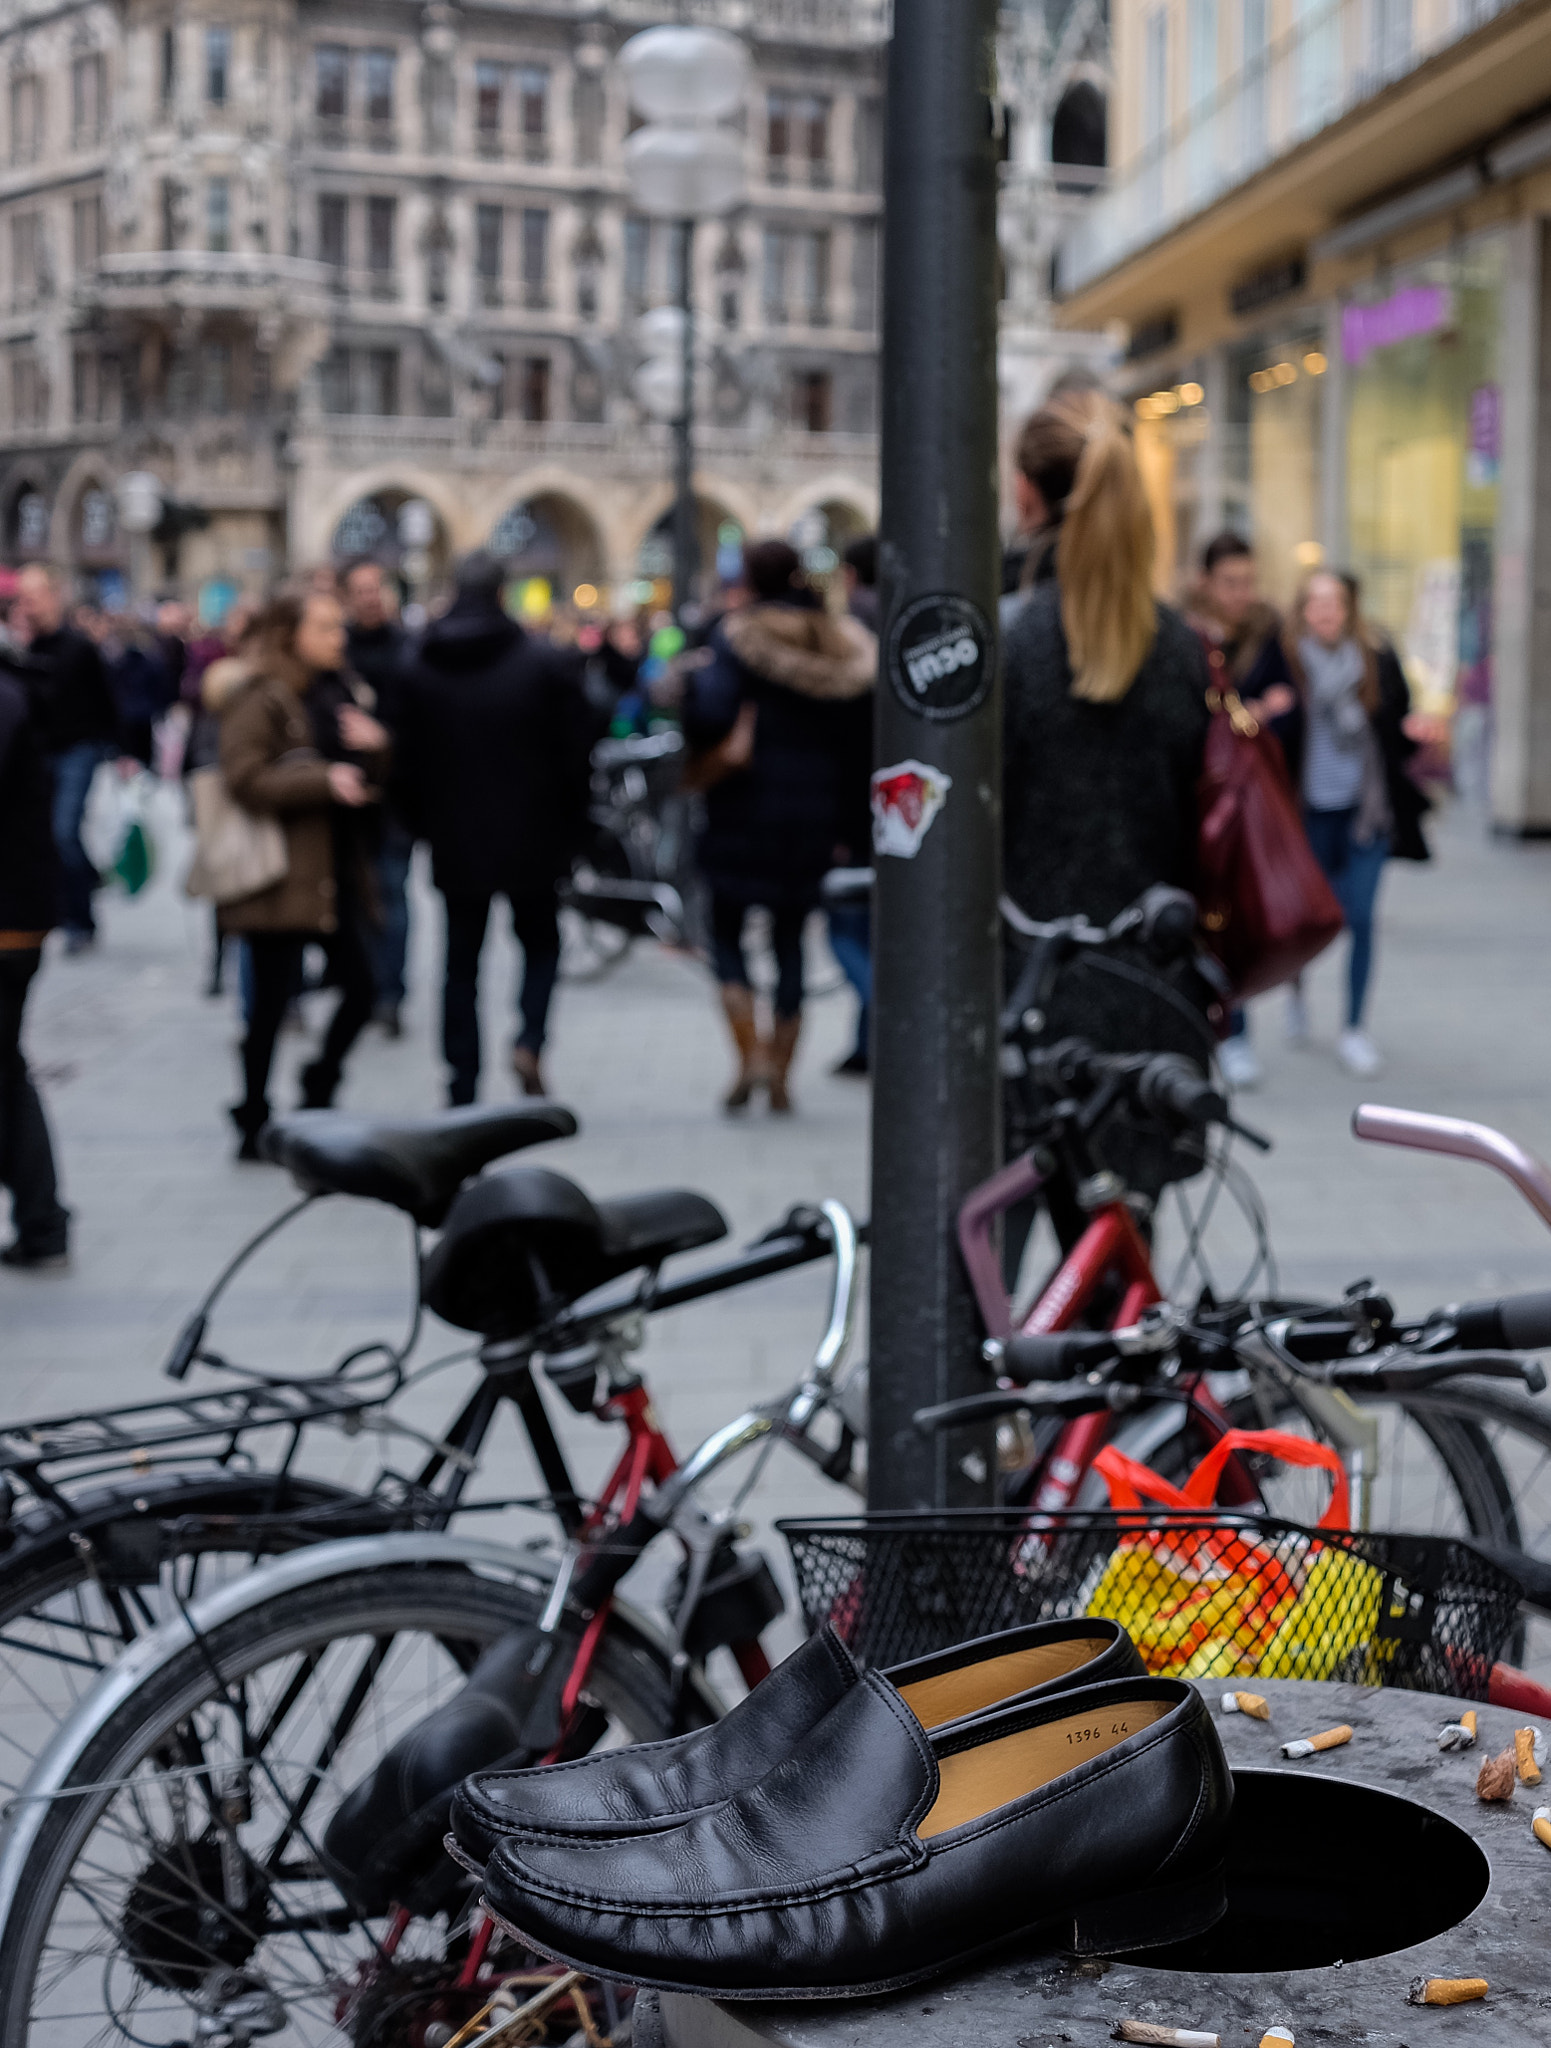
<point>1524,1755</point>
<point>1331,1738</point>
<point>1446,1990</point>
<point>1278,2037</point>
<point>1541,1825</point>
<point>1495,1778</point>
<point>1467,1721</point>
<point>1456,1735</point>
<point>1149,2036</point>
<point>1246,1703</point>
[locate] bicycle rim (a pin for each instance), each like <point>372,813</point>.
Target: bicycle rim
<point>188,1877</point>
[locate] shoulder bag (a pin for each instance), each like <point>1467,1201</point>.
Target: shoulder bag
<point>1266,907</point>
<point>729,755</point>
<point>237,853</point>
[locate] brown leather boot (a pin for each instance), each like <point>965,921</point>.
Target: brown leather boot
<point>738,1004</point>
<point>781,1051</point>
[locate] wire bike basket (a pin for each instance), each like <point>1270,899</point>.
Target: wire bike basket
<point>1202,1595</point>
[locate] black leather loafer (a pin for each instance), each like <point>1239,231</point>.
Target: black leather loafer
<point>661,1784</point>
<point>878,1855</point>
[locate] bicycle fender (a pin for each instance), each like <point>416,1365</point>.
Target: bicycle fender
<point>25,1814</point>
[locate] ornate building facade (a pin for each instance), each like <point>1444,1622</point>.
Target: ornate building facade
<point>312,262</point>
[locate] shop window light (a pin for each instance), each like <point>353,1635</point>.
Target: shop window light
<point>1314,362</point>
<point>1191,394</point>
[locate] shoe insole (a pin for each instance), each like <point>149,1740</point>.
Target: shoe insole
<point>977,1781</point>
<point>973,1687</point>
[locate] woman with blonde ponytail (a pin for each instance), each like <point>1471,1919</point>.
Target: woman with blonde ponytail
<point>1106,719</point>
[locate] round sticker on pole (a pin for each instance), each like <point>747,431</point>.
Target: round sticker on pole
<point>939,657</point>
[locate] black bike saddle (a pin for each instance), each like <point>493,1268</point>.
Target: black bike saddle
<point>417,1166</point>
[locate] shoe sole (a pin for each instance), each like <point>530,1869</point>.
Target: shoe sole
<point>1134,1921</point>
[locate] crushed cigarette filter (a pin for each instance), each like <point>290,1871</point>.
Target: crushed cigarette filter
<point>1332,1738</point>
<point>1246,1703</point>
<point>1541,1825</point>
<point>1460,1734</point>
<point>1446,1990</point>
<point>1150,2036</point>
<point>1495,1779</point>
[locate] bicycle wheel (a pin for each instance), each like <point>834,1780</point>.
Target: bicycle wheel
<point>590,946</point>
<point>182,1885</point>
<point>74,1591</point>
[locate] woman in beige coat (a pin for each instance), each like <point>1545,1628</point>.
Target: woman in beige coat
<point>298,744</point>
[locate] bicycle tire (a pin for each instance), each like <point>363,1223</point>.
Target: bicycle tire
<point>71,1597</point>
<point>86,1855</point>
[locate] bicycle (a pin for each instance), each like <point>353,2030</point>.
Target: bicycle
<point>627,881</point>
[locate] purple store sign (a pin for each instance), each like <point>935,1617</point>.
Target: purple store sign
<point>1419,309</point>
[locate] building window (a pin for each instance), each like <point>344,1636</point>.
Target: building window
<point>589,108</point>
<point>638,251</point>
<point>487,107</point>
<point>813,248</point>
<point>535,388</point>
<point>29,408</point>
<point>87,99</point>
<point>99,515</point>
<point>774,275</point>
<point>487,253</point>
<point>332,79</point>
<point>218,215</point>
<point>535,256</point>
<point>797,136</point>
<point>215,376</point>
<point>169,66</point>
<point>814,398</point>
<point>172,213</point>
<point>333,229</point>
<point>533,111</point>
<point>334,380</point>
<point>218,65</point>
<point>869,145</point>
<point>86,233</point>
<point>377,68</point>
<point>31,514</point>
<point>88,404</point>
<point>24,258</point>
<point>865,276</point>
<point>26,119</point>
<point>587,295</point>
<point>379,381</point>
<point>381,226</point>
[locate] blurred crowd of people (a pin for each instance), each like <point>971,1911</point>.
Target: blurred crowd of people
<point>322,739</point>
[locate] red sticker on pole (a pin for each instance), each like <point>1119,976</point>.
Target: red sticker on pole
<point>905,800</point>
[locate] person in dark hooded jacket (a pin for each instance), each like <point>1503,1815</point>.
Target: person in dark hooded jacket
<point>493,771</point>
<point>780,721</point>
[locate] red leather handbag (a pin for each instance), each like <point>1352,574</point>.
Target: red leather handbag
<point>1266,907</point>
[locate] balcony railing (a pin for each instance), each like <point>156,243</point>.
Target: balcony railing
<point>796,21</point>
<point>206,277</point>
<point>1336,56</point>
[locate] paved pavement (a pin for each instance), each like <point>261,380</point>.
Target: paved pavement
<point>136,1064</point>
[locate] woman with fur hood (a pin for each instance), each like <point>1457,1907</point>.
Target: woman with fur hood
<point>780,721</point>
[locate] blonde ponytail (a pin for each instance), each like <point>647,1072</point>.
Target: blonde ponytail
<point>1104,562</point>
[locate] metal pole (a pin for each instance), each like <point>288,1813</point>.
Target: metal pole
<point>685,535</point>
<point>937,791</point>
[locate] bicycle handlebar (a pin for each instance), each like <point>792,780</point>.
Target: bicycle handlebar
<point>1049,1355</point>
<point>1513,1322</point>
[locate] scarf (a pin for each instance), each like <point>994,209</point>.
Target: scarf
<point>1335,677</point>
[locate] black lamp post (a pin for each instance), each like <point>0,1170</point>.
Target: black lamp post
<point>937,794</point>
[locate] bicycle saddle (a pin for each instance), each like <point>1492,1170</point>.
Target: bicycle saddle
<point>518,1246</point>
<point>415,1166</point>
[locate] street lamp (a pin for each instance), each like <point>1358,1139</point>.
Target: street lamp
<point>683,168</point>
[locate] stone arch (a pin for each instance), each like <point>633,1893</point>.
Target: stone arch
<point>313,529</point>
<point>855,503</point>
<point>26,529</point>
<point>719,503</point>
<point>75,537</point>
<point>565,544</point>
<point>1079,125</point>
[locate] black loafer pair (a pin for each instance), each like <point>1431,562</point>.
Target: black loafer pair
<point>659,1785</point>
<point>897,1837</point>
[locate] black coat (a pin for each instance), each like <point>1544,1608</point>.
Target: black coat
<point>773,828</point>
<point>1099,804</point>
<point>492,754</point>
<point>29,862</point>
<point>376,653</point>
<point>76,702</point>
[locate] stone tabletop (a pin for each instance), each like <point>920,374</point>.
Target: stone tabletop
<point>1026,1999</point>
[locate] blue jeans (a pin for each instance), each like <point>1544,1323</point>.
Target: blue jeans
<point>73,772</point>
<point>1353,872</point>
<point>390,942</point>
<point>850,940</point>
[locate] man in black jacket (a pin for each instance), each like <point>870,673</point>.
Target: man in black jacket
<point>374,645</point>
<point>80,729</point>
<point>29,908</point>
<point>491,754</point>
